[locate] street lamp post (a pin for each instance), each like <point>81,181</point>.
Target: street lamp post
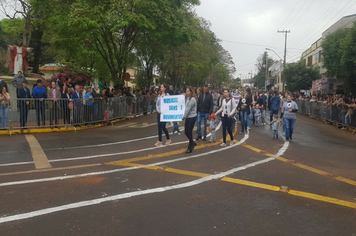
<point>284,65</point>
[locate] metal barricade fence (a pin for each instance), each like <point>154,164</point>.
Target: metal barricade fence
<point>50,113</point>
<point>341,115</point>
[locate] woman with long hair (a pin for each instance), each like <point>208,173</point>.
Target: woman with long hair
<point>227,109</point>
<point>190,117</point>
<point>250,114</point>
<point>162,125</point>
<point>244,109</point>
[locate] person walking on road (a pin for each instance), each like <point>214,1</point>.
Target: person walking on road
<point>190,117</point>
<point>275,105</point>
<point>227,109</point>
<point>290,108</point>
<point>161,125</point>
<point>244,109</point>
<point>205,108</point>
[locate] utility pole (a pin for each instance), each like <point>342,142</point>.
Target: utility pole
<point>285,32</point>
<point>266,71</point>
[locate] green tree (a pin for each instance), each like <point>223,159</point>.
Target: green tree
<point>298,76</point>
<point>339,55</point>
<point>262,62</point>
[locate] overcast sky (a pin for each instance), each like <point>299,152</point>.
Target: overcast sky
<point>240,22</point>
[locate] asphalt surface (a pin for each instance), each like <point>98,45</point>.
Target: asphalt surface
<point>113,181</point>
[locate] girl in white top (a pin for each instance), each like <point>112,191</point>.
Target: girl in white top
<point>228,108</point>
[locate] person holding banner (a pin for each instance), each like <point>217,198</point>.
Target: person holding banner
<point>190,116</point>
<point>227,109</point>
<point>161,125</point>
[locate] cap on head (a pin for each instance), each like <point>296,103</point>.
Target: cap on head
<point>212,116</point>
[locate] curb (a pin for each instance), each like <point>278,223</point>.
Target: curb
<point>56,130</point>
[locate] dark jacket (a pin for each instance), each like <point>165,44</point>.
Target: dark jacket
<point>208,104</point>
<point>24,96</point>
<point>248,101</point>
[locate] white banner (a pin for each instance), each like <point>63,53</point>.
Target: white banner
<point>172,108</point>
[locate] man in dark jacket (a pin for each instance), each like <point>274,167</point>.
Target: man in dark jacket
<point>24,96</point>
<point>205,108</point>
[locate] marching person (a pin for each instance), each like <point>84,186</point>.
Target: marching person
<point>290,108</point>
<point>205,108</point>
<point>190,117</point>
<point>244,110</point>
<point>161,125</point>
<point>227,109</point>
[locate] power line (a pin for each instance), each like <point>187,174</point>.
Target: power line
<point>303,14</point>
<point>332,19</point>
<point>258,45</point>
<point>280,27</point>
<point>296,14</point>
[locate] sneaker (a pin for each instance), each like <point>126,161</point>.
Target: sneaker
<point>179,133</point>
<point>171,133</point>
<point>175,132</point>
<point>231,143</point>
<point>158,144</point>
<point>198,138</point>
<point>168,142</point>
<point>284,134</point>
<point>343,128</point>
<point>223,145</point>
<point>273,138</point>
<point>204,139</point>
<point>241,132</point>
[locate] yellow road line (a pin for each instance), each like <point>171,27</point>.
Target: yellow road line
<point>176,152</point>
<point>38,155</point>
<point>322,198</point>
<point>317,171</point>
<point>47,170</point>
<point>302,166</point>
<point>167,169</point>
<point>251,184</point>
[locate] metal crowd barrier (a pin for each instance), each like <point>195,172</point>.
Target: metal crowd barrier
<point>342,115</point>
<point>49,113</point>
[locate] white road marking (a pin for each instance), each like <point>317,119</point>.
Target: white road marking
<point>121,169</point>
<point>138,193</point>
<point>102,155</point>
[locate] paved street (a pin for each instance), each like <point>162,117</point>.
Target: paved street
<point>113,181</point>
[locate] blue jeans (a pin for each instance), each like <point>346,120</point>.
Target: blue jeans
<point>243,118</point>
<point>289,127</point>
<point>4,111</point>
<point>250,118</point>
<point>206,118</point>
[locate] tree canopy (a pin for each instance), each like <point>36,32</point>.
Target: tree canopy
<point>339,55</point>
<point>163,37</point>
<point>298,76</point>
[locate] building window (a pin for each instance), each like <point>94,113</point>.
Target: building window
<point>310,61</point>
